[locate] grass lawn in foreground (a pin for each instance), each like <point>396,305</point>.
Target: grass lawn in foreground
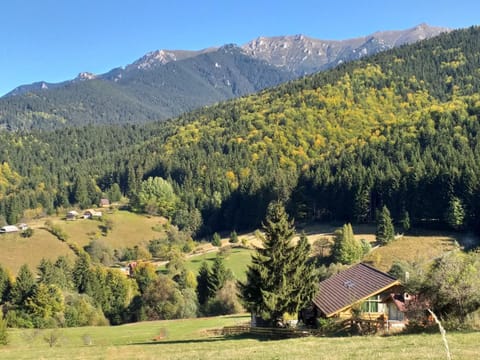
<point>188,339</point>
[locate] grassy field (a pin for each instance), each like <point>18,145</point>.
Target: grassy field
<point>16,250</point>
<point>236,260</point>
<point>411,248</point>
<point>188,339</point>
<point>129,229</point>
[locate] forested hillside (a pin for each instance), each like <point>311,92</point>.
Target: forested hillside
<point>399,129</point>
<point>139,95</point>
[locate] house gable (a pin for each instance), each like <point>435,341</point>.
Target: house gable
<point>355,284</point>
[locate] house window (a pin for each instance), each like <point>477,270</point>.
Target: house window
<point>372,304</point>
<point>394,313</point>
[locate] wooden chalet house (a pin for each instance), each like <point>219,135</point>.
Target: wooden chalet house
<point>359,291</point>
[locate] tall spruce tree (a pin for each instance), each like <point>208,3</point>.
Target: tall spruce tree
<point>5,284</point>
<point>81,271</point>
<point>219,275</point>
<point>203,283</point>
<point>24,285</point>
<point>280,279</point>
<point>455,213</point>
<point>385,231</point>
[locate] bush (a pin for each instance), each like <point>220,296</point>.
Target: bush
<point>28,232</point>
<point>53,337</point>
<point>419,327</point>
<point>87,339</point>
<point>100,252</point>
<point>80,311</point>
<point>226,300</point>
<point>159,248</point>
<point>56,231</point>
<point>18,319</point>
<point>328,326</point>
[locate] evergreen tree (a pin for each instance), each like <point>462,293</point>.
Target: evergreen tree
<point>80,192</point>
<point>455,213</point>
<point>5,284</point>
<point>24,285</point>
<point>216,241</point>
<point>46,272</point>
<point>233,237</point>
<point>63,273</point>
<point>114,193</point>
<point>346,249</point>
<point>14,209</point>
<point>203,284</point>
<point>219,275</point>
<point>81,272</point>
<point>405,222</point>
<point>279,280</point>
<point>385,231</point>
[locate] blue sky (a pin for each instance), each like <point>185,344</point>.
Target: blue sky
<point>54,40</point>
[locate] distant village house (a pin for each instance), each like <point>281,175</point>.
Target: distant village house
<point>104,202</point>
<point>90,214</point>
<point>72,215</point>
<point>8,229</point>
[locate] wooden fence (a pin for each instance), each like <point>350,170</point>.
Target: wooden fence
<point>351,326</point>
<point>264,332</point>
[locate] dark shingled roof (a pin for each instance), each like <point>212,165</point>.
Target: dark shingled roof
<point>354,284</point>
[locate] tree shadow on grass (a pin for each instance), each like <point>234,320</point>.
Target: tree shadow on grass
<point>197,341</point>
<point>172,342</point>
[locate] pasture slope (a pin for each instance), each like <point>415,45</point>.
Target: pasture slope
<point>128,229</point>
<point>189,339</point>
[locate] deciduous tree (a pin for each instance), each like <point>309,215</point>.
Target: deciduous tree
<point>453,284</point>
<point>346,249</point>
<point>156,196</point>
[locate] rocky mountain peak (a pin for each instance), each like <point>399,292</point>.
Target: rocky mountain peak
<point>85,76</point>
<point>155,57</point>
<point>162,57</point>
<point>302,54</point>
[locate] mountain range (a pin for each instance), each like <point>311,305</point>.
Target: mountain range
<point>165,83</point>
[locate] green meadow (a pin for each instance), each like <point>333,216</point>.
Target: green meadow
<point>190,339</point>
